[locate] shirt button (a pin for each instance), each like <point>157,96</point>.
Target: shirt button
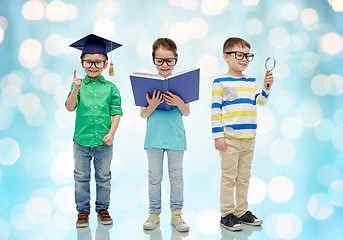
<point>93,83</point>
<point>96,120</point>
<point>96,133</point>
<point>96,107</point>
<point>95,94</point>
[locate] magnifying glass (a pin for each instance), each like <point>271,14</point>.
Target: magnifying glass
<point>270,65</point>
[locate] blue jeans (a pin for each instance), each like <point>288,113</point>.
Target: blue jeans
<point>102,157</point>
<point>155,160</point>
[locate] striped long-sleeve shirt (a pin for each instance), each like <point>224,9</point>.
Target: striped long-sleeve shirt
<point>233,110</point>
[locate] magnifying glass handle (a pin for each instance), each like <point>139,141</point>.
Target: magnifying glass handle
<point>268,85</point>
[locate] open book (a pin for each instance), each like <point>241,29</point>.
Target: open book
<point>184,84</point>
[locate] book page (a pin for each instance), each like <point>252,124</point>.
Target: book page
<point>148,75</point>
<point>179,73</point>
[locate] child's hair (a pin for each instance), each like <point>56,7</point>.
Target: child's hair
<point>234,41</point>
<point>165,43</point>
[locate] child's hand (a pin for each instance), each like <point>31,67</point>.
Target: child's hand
<point>77,81</point>
<point>155,99</point>
<point>108,139</point>
<point>268,80</point>
<point>220,144</point>
<point>172,99</point>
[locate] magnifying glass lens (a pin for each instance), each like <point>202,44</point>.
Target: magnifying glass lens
<point>270,64</point>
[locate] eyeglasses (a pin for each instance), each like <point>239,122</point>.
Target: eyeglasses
<point>240,55</point>
<point>160,61</point>
<point>88,64</point>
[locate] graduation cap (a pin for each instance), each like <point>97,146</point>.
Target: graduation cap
<point>94,44</point>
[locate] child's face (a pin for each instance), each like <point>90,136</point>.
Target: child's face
<point>237,66</point>
<point>164,70</point>
<point>94,64</point>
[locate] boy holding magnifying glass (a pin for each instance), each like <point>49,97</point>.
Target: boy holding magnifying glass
<point>234,123</point>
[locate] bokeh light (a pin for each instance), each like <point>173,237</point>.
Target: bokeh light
<point>30,52</point>
<point>320,206</point>
<point>207,221</point>
<point>291,128</point>
<point>279,37</point>
<point>57,11</point>
<point>55,45</point>
<point>213,7</point>
<point>6,117</point>
<point>309,18</point>
<point>255,26</point>
<point>331,43</point>
<point>280,189</point>
<point>310,114</point>
<point>107,8</point>
<point>64,199</point>
<point>3,23</point>
<point>1,35</point>
<point>336,192</point>
<point>257,191</point>
<point>33,10</point>
<point>289,12</point>
<point>9,151</point>
<point>288,226</point>
<point>104,27</point>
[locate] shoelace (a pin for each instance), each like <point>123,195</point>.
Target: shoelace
<point>82,216</point>
<point>251,216</point>
<point>104,214</point>
<point>178,219</point>
<point>151,218</point>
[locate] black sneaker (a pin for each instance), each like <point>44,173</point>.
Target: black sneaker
<point>250,219</point>
<point>231,222</point>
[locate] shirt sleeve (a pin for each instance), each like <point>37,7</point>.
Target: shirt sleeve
<point>115,105</point>
<point>78,97</point>
<point>261,96</point>
<point>216,110</point>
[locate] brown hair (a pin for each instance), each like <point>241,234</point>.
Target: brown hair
<point>165,43</point>
<point>234,41</point>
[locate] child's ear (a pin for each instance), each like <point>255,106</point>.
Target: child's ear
<point>226,58</point>
<point>105,66</point>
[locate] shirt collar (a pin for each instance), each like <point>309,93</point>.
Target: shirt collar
<point>88,79</point>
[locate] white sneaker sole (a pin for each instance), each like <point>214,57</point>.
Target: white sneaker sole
<point>150,228</point>
<point>258,223</point>
<point>234,229</point>
<point>82,225</point>
<point>180,230</point>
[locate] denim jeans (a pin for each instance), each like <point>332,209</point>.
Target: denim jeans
<point>155,160</point>
<point>102,157</point>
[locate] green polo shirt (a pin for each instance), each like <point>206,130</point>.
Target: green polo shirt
<point>97,101</point>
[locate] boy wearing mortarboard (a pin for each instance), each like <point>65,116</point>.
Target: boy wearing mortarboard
<point>98,111</point>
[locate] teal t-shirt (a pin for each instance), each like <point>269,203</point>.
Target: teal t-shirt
<point>165,129</point>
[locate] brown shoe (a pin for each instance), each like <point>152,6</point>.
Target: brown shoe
<point>104,217</point>
<point>82,220</point>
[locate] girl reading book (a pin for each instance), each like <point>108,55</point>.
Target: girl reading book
<point>165,133</point>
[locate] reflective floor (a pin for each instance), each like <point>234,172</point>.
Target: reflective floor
<point>163,230</point>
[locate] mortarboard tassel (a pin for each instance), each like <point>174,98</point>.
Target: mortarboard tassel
<point>111,71</point>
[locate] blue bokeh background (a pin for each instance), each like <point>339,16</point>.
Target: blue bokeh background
<point>297,173</point>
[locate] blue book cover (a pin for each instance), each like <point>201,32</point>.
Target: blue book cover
<point>184,84</point>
